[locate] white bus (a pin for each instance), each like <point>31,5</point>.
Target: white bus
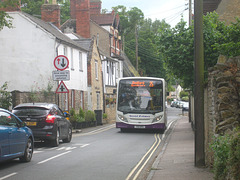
<point>141,103</point>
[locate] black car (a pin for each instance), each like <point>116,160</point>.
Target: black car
<point>47,121</point>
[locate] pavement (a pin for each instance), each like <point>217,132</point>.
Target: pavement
<point>176,161</point>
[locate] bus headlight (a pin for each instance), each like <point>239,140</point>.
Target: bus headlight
<point>122,118</point>
<point>157,118</point>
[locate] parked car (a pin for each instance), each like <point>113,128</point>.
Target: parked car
<point>173,103</point>
<point>185,106</point>
<point>47,121</point>
<point>16,139</point>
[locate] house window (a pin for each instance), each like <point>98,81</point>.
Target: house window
<point>72,64</point>
<point>98,100</point>
<point>96,69</point>
<point>107,101</point>
<point>97,38</point>
<point>65,52</point>
<point>107,67</point>
<point>66,101</point>
<point>72,98</point>
<point>80,62</point>
<point>81,99</point>
<point>113,68</point>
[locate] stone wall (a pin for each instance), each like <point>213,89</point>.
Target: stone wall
<point>29,97</point>
<point>222,101</point>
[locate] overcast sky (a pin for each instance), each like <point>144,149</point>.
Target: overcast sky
<point>170,10</point>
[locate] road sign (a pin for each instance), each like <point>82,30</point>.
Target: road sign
<point>61,75</point>
<point>62,88</point>
<point>61,62</point>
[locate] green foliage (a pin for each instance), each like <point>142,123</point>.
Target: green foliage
<point>5,97</point>
<point>5,19</point>
<point>226,151</point>
<point>185,98</point>
<point>177,46</point>
<point>90,116</point>
<point>230,44</point>
<point>221,149</point>
<point>104,116</point>
<point>74,117</point>
<point>234,155</point>
<point>183,94</point>
<point>34,8</point>
<point>81,113</point>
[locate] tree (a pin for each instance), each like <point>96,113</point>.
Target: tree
<point>5,96</point>
<point>5,19</point>
<point>34,8</point>
<point>176,46</point>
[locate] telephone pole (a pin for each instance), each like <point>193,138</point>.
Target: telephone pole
<point>198,84</point>
<point>136,38</point>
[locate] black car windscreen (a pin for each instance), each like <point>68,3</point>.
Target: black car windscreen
<point>30,111</point>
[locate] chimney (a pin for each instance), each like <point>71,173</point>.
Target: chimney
<point>82,11</point>
<point>95,7</point>
<point>73,9</point>
<point>51,13</point>
<point>15,6</point>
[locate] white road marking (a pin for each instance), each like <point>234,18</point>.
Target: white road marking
<point>7,176</point>
<point>46,160</point>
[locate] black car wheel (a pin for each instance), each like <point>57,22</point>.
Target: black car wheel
<point>69,137</point>
<point>55,142</point>
<point>28,151</point>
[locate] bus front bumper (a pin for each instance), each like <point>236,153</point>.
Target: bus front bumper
<point>137,126</point>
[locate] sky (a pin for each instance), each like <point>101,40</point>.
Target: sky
<point>170,10</point>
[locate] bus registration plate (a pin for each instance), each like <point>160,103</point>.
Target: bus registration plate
<point>139,127</point>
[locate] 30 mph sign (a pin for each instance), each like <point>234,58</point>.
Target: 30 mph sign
<point>61,62</point>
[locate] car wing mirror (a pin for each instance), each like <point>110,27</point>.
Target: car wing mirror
<point>66,115</point>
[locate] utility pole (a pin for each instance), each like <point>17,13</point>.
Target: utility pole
<point>136,38</point>
<point>198,84</point>
<point>190,12</point>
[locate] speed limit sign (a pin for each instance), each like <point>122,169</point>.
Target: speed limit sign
<point>61,62</point>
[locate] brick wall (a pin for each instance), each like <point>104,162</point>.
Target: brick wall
<point>95,7</point>
<point>51,13</point>
<point>83,18</point>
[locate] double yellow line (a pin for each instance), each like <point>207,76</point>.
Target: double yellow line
<point>143,162</point>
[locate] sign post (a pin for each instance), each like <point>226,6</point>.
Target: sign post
<point>61,63</point>
<point>62,88</point>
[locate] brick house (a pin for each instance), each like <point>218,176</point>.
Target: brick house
<point>87,21</point>
<point>27,52</point>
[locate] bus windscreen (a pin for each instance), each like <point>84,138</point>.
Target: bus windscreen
<point>136,96</point>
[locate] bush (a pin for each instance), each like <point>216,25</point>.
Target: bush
<point>227,156</point>
<point>234,155</point>
<point>221,149</point>
<point>76,117</point>
<point>90,116</point>
<point>81,113</point>
<point>104,116</point>
<point>5,97</point>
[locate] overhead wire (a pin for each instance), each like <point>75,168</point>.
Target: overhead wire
<point>167,10</point>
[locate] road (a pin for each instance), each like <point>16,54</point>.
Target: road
<point>102,153</point>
